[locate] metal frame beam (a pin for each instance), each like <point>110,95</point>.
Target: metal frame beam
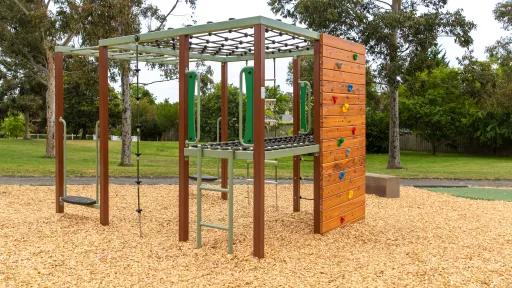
<point>162,55</point>
<point>214,27</point>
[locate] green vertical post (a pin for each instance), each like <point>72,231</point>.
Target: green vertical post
<point>191,84</point>
<point>303,119</point>
<point>249,92</point>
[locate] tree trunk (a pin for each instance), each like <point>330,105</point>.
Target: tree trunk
<point>26,116</point>
<point>126,129</point>
<point>434,147</point>
<point>50,106</point>
<point>394,127</point>
<point>394,130</point>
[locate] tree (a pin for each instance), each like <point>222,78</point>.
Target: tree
<point>13,126</point>
<point>435,109</point>
<point>210,112</point>
<point>283,102</point>
<point>126,19</point>
<point>167,115</point>
<point>396,34</point>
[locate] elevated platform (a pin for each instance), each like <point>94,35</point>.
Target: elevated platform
<point>274,148</point>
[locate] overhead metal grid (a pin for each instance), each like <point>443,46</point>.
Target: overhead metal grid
<point>227,41</point>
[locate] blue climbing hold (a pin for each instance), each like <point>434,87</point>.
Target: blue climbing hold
<point>347,152</point>
<point>341,175</point>
<point>350,87</point>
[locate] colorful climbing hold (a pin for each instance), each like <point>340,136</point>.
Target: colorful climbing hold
<point>350,87</point>
<point>334,98</point>
<point>355,56</point>
<point>353,130</point>
<point>342,220</point>
<point>344,108</point>
<point>341,175</point>
<point>350,194</point>
<point>347,152</point>
<point>340,141</point>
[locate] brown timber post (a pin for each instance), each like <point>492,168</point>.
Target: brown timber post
<point>103,92</point>
<point>259,142</point>
<point>317,100</point>
<point>296,129</point>
<point>183,161</point>
<point>59,131</point>
<point>224,123</point>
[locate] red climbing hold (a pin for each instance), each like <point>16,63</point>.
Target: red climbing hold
<point>353,130</point>
<point>334,98</point>
<point>342,220</point>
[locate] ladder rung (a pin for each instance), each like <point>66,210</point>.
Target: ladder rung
<point>213,188</point>
<point>214,226</point>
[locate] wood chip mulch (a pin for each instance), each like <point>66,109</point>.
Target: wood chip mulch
<point>423,239</point>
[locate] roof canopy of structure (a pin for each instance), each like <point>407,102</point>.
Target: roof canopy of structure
<point>227,41</point>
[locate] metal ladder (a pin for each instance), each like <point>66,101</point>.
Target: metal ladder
<point>199,203</point>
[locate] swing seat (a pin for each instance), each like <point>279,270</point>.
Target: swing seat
<point>205,178</point>
<point>78,200</point>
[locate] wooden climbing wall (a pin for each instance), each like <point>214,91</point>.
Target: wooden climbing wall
<point>342,132</point>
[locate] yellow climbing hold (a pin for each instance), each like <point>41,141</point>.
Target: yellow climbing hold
<point>344,108</point>
<point>350,194</point>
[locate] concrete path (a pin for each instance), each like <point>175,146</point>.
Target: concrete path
<point>49,181</point>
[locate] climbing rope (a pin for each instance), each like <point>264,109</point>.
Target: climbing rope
<point>138,154</point>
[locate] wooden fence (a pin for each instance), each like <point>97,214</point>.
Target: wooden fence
<point>462,144</point>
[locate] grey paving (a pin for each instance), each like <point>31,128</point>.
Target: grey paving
<point>49,181</point>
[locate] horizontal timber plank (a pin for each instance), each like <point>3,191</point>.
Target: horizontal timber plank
<point>340,99</point>
<point>345,132</point>
<point>333,121</point>
<point>340,210</point>
<point>350,142</point>
<point>340,154</point>
<point>339,76</point>
<point>342,87</point>
<point>331,190</point>
<point>348,218</point>
<point>343,66</point>
<point>342,54</point>
<point>333,178</point>
<point>346,164</point>
<point>343,197</point>
<point>334,41</point>
<point>337,109</point>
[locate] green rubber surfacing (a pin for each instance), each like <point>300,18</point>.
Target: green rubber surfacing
<point>491,194</point>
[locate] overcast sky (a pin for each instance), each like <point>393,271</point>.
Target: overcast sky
<point>487,32</point>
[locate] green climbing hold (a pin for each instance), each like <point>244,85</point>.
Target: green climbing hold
<point>355,56</point>
<point>340,141</point>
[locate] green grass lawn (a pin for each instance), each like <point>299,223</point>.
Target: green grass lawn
<point>160,159</point>
<point>477,193</point>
